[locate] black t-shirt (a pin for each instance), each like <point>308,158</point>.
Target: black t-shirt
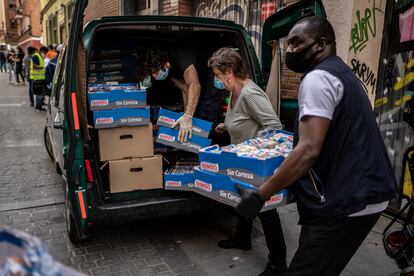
<point>180,59</point>
<point>10,58</point>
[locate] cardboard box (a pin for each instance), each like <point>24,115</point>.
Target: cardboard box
<point>246,169</point>
<point>112,64</point>
<point>169,136</point>
<point>167,118</point>
<point>102,87</point>
<point>117,99</point>
<point>222,188</point>
<point>125,142</point>
<point>135,174</point>
<point>121,117</point>
<point>179,181</point>
<point>128,74</point>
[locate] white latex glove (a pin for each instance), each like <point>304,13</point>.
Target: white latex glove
<point>186,127</point>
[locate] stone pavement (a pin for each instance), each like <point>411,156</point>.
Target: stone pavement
<point>31,199</point>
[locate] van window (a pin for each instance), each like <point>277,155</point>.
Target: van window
<point>58,81</point>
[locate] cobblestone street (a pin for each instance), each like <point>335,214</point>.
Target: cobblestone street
<point>31,199</point>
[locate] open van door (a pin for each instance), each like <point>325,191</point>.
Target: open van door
<point>275,27</point>
<point>76,198</point>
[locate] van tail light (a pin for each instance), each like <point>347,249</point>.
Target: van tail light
<point>81,202</point>
<point>88,170</point>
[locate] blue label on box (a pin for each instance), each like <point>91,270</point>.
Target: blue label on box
<point>169,137</point>
<point>247,169</point>
<point>223,189</point>
<point>179,181</point>
<point>167,118</point>
<point>117,98</point>
<point>121,117</point>
<point>102,87</point>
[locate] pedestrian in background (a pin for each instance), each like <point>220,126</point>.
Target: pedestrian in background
<point>26,64</point>
<point>3,59</point>
<point>249,111</point>
<point>339,168</point>
<point>50,68</point>
<point>19,66</point>
<point>52,52</point>
<point>10,65</point>
<point>37,73</point>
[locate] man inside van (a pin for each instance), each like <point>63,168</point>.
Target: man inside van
<point>188,71</point>
<point>339,168</point>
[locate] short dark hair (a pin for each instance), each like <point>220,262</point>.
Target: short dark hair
<point>319,27</point>
<point>31,50</point>
<point>154,60</point>
<point>228,58</point>
<point>43,49</point>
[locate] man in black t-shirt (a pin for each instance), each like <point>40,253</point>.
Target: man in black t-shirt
<point>188,71</point>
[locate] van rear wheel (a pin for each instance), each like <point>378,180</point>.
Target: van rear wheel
<point>48,143</point>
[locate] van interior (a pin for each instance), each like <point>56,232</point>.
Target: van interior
<point>120,41</point>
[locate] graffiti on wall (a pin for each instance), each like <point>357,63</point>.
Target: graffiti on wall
<point>243,12</point>
<point>397,90</point>
<point>365,42</point>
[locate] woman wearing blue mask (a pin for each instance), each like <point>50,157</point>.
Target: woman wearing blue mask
<point>249,111</point>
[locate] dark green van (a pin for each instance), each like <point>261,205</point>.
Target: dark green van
<point>72,142</point>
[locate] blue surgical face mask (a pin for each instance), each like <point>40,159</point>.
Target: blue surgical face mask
<point>218,83</point>
<point>162,74</point>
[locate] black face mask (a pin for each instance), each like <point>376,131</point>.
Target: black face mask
<point>296,61</point>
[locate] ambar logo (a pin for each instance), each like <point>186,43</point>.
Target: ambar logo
<point>211,167</point>
<point>99,102</point>
<point>173,183</point>
<point>166,120</point>
<point>166,137</point>
<point>203,185</point>
<point>108,120</point>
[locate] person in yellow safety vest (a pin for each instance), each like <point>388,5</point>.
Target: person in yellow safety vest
<point>37,72</point>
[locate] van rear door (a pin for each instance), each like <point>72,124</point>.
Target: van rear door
<point>73,142</point>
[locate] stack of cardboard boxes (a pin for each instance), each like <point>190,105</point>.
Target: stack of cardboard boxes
<point>122,118</point>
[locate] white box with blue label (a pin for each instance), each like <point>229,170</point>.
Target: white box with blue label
<point>167,118</point>
<point>222,188</point>
<point>121,117</point>
<point>117,99</point>
<point>169,137</point>
<point>249,169</point>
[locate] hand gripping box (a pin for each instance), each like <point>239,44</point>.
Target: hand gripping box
<point>222,188</point>
<point>125,142</point>
<point>121,117</point>
<point>167,118</point>
<point>117,99</point>
<point>169,137</point>
<point>247,169</point>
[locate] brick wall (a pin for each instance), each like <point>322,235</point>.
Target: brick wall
<point>290,80</point>
<point>176,7</point>
<point>99,8</point>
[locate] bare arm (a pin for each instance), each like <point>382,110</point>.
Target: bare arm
<point>312,135</point>
<point>194,89</point>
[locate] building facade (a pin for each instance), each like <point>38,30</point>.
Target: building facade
<point>29,24</point>
<point>56,17</point>
<point>9,32</point>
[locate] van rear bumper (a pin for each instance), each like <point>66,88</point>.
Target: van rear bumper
<point>155,207</point>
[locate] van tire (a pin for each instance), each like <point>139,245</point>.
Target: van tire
<point>48,143</point>
<point>73,235</point>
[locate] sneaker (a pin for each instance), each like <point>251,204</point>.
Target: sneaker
<point>272,270</point>
<point>31,104</point>
<point>233,243</point>
<point>39,109</point>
